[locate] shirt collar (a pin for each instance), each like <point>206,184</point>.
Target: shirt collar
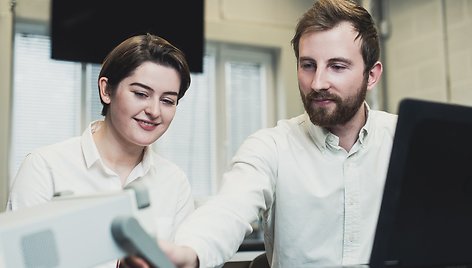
<point>89,148</point>
<point>148,161</point>
<point>318,134</point>
<point>363,134</point>
<point>90,151</point>
<point>321,136</point>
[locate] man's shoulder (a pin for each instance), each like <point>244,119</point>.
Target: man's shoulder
<point>383,121</point>
<point>382,118</point>
<point>285,126</point>
<point>292,123</point>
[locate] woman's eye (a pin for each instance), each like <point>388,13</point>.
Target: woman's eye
<point>140,94</point>
<point>168,101</point>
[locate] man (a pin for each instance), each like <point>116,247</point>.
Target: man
<point>317,178</point>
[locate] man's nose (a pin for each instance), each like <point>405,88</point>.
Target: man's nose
<point>320,81</point>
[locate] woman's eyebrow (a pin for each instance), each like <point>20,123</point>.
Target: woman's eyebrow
<point>150,88</point>
<point>141,85</point>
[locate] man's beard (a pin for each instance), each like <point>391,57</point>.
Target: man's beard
<point>343,112</point>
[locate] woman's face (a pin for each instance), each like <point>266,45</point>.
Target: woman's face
<point>143,105</point>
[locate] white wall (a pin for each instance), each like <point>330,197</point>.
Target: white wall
<point>429,51</point>
<point>459,49</point>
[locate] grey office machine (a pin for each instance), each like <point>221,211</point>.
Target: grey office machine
<point>79,231</point>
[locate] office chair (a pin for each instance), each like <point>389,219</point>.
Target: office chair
<point>260,262</point>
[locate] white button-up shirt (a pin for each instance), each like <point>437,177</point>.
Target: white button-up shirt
<point>75,166</point>
<point>319,203</point>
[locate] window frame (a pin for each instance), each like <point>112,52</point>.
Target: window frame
<point>223,53</point>
<point>226,53</point>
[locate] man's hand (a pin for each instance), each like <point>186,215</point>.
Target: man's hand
<point>133,262</point>
<point>180,256</point>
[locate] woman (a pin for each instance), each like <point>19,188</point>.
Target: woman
<point>140,84</point>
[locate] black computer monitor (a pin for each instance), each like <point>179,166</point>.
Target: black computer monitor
<point>425,218</point>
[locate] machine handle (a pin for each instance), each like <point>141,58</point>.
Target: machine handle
<point>134,240</point>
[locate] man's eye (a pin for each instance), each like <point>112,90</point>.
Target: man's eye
<point>307,65</point>
<point>338,67</point>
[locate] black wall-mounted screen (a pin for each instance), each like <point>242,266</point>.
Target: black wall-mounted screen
<point>86,30</point>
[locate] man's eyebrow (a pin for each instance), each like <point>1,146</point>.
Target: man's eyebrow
<point>150,88</point>
<point>341,59</point>
<point>306,58</point>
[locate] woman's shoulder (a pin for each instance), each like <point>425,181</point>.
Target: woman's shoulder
<point>65,148</point>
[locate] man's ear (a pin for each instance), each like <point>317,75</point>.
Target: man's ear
<point>374,75</point>
<point>104,92</point>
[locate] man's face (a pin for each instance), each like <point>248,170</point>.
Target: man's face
<point>331,75</point>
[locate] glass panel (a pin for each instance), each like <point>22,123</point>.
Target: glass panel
<point>190,139</point>
<point>94,106</point>
<point>46,98</point>
<point>244,101</point>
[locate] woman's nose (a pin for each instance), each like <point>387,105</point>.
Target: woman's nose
<point>153,108</point>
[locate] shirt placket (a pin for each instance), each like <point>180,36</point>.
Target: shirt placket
<point>351,240</point>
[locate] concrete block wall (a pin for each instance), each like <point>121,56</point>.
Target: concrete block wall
<point>429,51</point>
<point>459,48</point>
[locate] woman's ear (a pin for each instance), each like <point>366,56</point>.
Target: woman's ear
<point>104,92</point>
<point>374,75</point>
